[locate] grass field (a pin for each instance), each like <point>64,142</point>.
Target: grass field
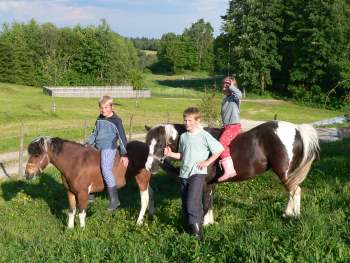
<point>249,227</point>
<point>170,96</point>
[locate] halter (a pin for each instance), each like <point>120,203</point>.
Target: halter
<point>159,159</point>
<point>38,166</point>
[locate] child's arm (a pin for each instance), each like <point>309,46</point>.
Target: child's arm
<point>214,147</point>
<point>209,161</point>
<point>122,137</point>
<point>169,153</point>
<point>235,92</point>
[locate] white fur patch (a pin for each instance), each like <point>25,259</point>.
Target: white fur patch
<point>71,216</point>
<point>89,188</point>
<point>150,158</point>
<point>208,218</point>
<point>144,204</point>
<point>286,132</point>
<point>82,216</point>
<point>170,131</point>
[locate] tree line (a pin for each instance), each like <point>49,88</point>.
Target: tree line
<point>34,54</point>
<point>296,49</point>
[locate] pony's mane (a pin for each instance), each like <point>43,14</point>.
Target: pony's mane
<point>56,144</point>
<point>35,147</point>
<point>169,131</point>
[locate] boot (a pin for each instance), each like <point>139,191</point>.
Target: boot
<point>113,198</point>
<point>229,170</point>
<point>196,230</point>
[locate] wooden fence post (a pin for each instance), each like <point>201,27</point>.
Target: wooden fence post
<point>20,153</point>
<point>130,126</point>
<point>85,131</point>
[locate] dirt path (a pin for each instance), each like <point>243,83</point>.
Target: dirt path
<point>9,161</point>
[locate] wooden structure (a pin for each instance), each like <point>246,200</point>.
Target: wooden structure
<point>97,91</point>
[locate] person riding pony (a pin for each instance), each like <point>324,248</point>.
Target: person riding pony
<point>231,121</point>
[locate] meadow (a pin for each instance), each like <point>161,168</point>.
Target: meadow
<point>249,224</point>
<point>74,117</point>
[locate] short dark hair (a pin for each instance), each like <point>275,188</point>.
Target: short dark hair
<point>193,111</point>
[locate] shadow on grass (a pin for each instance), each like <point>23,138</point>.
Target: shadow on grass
<point>45,187</point>
<point>334,162</point>
<point>197,84</point>
<point>165,188</point>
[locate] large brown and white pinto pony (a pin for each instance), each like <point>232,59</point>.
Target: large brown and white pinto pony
<point>79,166</point>
<point>285,148</point>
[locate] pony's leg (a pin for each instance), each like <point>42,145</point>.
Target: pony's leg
<point>208,205</point>
<point>142,180</point>
<point>151,200</point>
<point>83,199</point>
<point>72,209</point>
<point>293,206</point>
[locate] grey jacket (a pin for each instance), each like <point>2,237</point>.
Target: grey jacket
<point>107,132</point>
<point>230,106</point>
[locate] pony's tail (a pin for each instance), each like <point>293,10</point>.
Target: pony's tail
<point>311,151</point>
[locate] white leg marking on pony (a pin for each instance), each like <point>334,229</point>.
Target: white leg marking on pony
<point>144,204</point>
<point>208,218</point>
<point>297,197</point>
<point>71,216</point>
<point>149,162</point>
<point>286,132</point>
<point>89,188</point>
<point>82,216</point>
<point>293,206</point>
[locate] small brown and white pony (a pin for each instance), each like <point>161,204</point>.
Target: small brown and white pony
<point>285,148</point>
<point>79,166</point>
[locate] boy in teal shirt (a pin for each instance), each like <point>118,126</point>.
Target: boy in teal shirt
<point>195,147</point>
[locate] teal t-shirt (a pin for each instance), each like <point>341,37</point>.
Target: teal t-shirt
<point>196,147</point>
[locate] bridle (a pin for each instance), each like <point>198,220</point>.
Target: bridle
<point>45,155</point>
<point>159,159</point>
<point>167,144</point>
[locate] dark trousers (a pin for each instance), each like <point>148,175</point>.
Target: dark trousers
<point>191,196</point>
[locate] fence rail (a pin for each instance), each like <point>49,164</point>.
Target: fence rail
<point>96,91</point>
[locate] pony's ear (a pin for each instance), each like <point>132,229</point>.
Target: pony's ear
<point>147,128</point>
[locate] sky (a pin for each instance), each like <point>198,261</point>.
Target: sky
<point>129,18</point>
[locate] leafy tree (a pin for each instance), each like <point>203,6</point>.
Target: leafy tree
<point>252,28</point>
<point>201,35</point>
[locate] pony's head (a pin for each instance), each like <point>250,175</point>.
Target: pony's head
<point>38,156</point>
<point>157,138</point>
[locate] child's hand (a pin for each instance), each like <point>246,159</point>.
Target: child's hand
<point>125,161</point>
<point>202,164</point>
<point>167,151</point>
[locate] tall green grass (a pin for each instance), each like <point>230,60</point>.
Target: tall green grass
<point>249,227</point>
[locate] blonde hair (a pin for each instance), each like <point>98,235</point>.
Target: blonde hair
<point>105,100</point>
<point>192,111</point>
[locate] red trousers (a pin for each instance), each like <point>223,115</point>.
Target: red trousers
<point>230,132</point>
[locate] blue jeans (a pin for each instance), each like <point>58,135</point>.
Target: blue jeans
<point>107,162</point>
